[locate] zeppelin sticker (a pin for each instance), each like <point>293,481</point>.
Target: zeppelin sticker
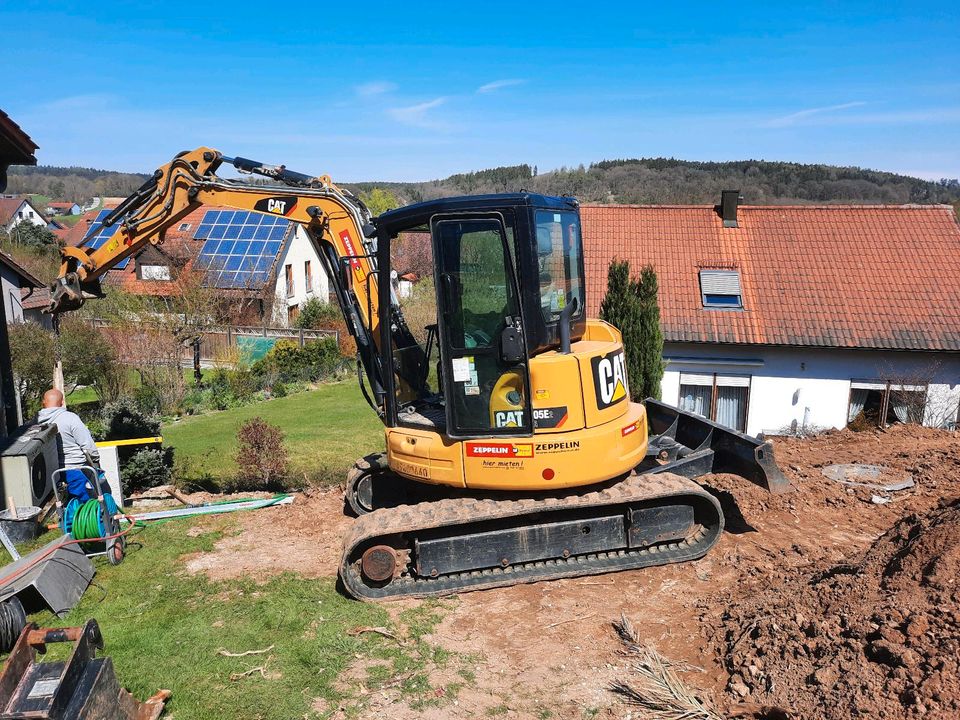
<point>350,248</point>
<point>631,428</point>
<point>500,450</point>
<point>609,378</point>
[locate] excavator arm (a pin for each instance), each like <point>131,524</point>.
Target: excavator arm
<point>334,219</point>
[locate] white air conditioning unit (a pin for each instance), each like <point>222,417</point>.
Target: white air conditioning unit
<point>26,463</point>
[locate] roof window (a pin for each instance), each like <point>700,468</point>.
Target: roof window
<point>721,289</point>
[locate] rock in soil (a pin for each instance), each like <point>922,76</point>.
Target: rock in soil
<point>879,638</point>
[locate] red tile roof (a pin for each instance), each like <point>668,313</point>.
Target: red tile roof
<point>8,206</point>
<point>34,298</point>
<point>65,205</point>
<point>825,276</point>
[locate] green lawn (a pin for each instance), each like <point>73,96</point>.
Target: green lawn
<point>325,431</point>
<point>164,628</point>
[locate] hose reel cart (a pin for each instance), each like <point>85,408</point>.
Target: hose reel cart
<point>94,519</point>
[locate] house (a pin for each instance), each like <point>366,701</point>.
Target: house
<point>63,208</point>
<point>249,256</point>
<point>15,209</point>
<point>783,317</point>
<point>14,278</point>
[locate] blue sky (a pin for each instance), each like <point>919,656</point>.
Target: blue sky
<point>414,91</point>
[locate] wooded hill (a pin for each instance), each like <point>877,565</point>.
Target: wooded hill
<point>643,181</point>
<point>675,182</point>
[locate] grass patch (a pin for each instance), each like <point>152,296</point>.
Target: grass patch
<point>325,431</point>
<point>163,628</point>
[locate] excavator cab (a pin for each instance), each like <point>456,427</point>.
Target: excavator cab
<point>508,273</point>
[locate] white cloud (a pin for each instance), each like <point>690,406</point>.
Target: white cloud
<point>498,85</point>
<point>798,117</point>
<point>417,115</point>
<point>374,87</point>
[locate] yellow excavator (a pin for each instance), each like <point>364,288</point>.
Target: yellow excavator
<point>513,450</point>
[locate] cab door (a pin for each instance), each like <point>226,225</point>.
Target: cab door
<point>483,352</point>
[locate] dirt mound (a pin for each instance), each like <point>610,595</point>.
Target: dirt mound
<point>880,638</point>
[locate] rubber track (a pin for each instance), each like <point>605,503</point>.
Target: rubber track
<point>442,513</point>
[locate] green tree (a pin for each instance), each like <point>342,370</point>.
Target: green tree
<point>651,335</point>
<point>621,308</point>
<point>378,201</point>
<point>31,350</point>
<point>631,306</point>
<point>33,236</point>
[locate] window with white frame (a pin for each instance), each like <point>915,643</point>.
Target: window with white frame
<point>720,397</point>
<point>154,272</point>
<point>878,402</point>
<point>720,289</point>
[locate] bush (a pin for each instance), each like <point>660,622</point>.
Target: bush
<point>146,468</point>
<point>262,458</point>
<point>288,362</point>
<point>126,420</point>
<point>318,315</point>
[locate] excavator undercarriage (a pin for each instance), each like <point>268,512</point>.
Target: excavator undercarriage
<point>412,539</point>
<point>458,544</point>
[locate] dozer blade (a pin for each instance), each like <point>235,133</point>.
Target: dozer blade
<point>693,446</point>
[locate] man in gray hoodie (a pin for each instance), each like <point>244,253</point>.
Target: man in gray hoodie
<point>79,448</point>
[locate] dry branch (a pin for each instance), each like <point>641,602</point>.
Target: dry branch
<point>659,692</point>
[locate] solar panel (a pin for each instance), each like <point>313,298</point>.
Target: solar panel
<point>239,247</point>
<point>97,235</point>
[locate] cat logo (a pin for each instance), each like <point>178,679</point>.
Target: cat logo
<point>508,418</point>
<point>276,205</point>
<point>609,378</point>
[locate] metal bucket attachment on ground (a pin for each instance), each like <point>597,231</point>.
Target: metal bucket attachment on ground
<point>83,687</point>
<point>692,444</point>
<point>53,577</point>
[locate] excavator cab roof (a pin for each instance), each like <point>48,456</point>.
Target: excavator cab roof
<point>395,221</point>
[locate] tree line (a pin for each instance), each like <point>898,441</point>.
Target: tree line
<point>639,180</point>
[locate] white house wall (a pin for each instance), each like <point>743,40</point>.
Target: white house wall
<point>30,214</point>
<point>798,384</point>
<point>299,250</point>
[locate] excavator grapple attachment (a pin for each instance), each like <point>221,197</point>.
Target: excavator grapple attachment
<point>692,445</point>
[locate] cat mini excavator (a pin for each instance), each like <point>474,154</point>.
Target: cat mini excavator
<point>513,450</point>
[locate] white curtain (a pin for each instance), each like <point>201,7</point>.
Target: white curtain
<point>858,398</point>
<point>732,407</point>
<point>899,404</point>
<point>696,399</point>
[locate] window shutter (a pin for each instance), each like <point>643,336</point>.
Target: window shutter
<point>720,282</point>
<point>868,385</point>
<point>733,381</point>
<point>696,379</point>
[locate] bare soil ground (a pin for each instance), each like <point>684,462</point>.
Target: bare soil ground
<point>777,593</point>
